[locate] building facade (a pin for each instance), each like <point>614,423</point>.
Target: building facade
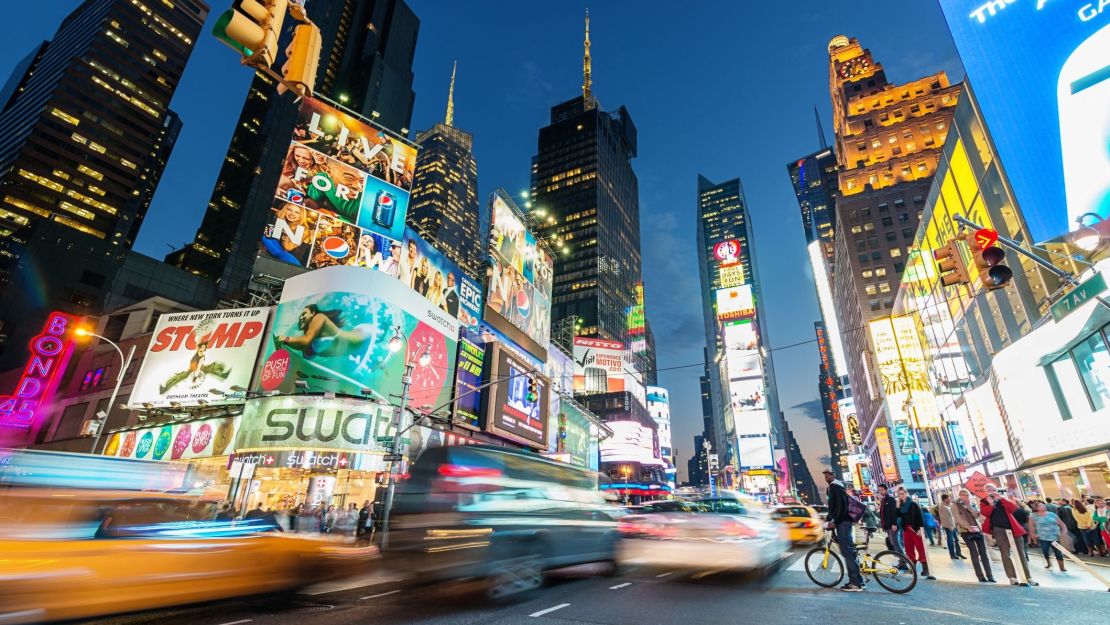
<point>366,67</point>
<point>803,479</point>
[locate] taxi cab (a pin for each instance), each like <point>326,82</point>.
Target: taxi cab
<point>802,523</point>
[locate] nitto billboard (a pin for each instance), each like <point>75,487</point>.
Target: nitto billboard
<point>1040,70</point>
<point>197,356</point>
<point>332,331</point>
<point>598,365</point>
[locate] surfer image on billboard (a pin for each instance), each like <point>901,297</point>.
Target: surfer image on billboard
<point>199,367</point>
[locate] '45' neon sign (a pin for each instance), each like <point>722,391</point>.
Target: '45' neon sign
<point>50,352</point>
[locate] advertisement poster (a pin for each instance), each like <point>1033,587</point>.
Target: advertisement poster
<point>468,377</point>
<point>576,429</point>
<point>521,271</point>
<point>175,441</point>
<point>427,271</point>
<point>332,331</point>
<point>886,454</point>
<point>735,302</point>
<point>747,395</point>
<point>292,422</point>
<point>755,451</point>
<point>599,366</point>
<point>630,442</point>
<point>193,354</point>
<point>659,407</point>
<point>510,413</point>
<point>1052,58</point>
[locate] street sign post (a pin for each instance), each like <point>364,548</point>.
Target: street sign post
<point>1085,292</point>
<point>393,458</point>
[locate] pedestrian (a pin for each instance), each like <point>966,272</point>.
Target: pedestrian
<point>871,521</point>
<point>946,512</point>
<point>363,520</point>
<point>226,513</point>
<point>931,526</point>
<point>1045,528</point>
<point>841,525</point>
<point>1101,517</point>
<point>1053,508</point>
<point>1067,515</point>
<point>967,522</point>
<point>999,522</point>
<point>1022,516</point>
<point>912,523</point>
<point>888,515</point>
<point>327,519</point>
<point>1085,522</point>
<point>255,513</point>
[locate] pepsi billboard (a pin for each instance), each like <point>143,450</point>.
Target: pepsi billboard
<point>1041,74</point>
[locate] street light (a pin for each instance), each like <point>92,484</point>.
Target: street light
<point>126,362</point>
<point>626,471</point>
<point>396,344</point>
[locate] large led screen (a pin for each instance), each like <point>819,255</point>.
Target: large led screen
<point>630,442</point>
<point>1041,73</point>
<point>755,452</point>
<point>735,302</point>
<point>510,413</point>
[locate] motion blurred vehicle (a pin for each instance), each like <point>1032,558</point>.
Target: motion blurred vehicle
<point>821,510</point>
<point>72,553</point>
<point>728,532</point>
<point>803,525</point>
<point>498,515</point>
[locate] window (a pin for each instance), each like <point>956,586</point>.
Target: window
<point>862,258</point>
<point>869,289</point>
<point>907,233</point>
<point>1059,372</point>
<point>876,304</point>
<point>866,274</point>
<point>884,288</point>
<point>903,218</point>
<point>887,221</point>
<point>898,267</point>
<point>856,229</point>
<point>94,378</point>
<point>895,253</point>
<point>881,271</point>
<point>869,226</point>
<point>891,237</point>
<point>884,207</point>
<point>1093,362</point>
<point>876,256</point>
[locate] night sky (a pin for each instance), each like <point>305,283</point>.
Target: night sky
<point>724,90</point>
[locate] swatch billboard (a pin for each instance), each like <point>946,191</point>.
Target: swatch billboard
<point>331,332</point>
<point>1041,74</point>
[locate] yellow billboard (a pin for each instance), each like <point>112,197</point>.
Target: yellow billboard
<point>899,348</point>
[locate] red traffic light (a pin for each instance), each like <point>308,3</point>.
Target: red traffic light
<point>996,275</point>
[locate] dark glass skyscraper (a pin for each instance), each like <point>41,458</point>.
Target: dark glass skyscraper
<point>814,179</point>
<point>444,207</point>
<point>366,66</point>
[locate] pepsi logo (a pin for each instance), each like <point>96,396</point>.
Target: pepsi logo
<point>386,200</point>
<point>295,196</point>
<point>336,247</point>
<point>523,303</point>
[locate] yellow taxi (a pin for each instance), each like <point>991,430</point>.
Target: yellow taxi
<point>78,553</point>
<point>802,523</point>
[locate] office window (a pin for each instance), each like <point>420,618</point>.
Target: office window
<point>887,221</point>
<point>866,273</point>
<point>1092,359</point>
<point>895,253</point>
<point>907,233</point>
<point>869,226</point>
<point>899,267</point>
<point>891,237</point>
<point>876,256</point>
<point>881,271</point>
<point>884,288</point>
<point>903,218</point>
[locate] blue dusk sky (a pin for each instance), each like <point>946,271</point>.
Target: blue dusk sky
<point>722,89</point>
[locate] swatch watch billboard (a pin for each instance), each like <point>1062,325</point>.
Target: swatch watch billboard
<point>1040,71</point>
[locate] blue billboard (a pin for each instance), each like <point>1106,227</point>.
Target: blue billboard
<point>1040,70</point>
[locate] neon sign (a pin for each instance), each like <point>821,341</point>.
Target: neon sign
<point>50,353</point>
<point>727,252</point>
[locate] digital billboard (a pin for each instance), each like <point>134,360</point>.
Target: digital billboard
<point>886,454</point>
<point>659,407</point>
<point>175,441</point>
<point>575,430</point>
<point>518,302</point>
<point>747,395</point>
<point>428,272</point>
<point>1040,71</point>
<point>755,451</point>
<point>735,302</point>
<point>630,442</point>
<point>332,329</point>
<point>509,412</point>
<point>468,378</point>
<point>196,356</point>
<point>599,365</point>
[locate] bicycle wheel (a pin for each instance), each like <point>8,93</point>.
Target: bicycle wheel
<point>894,572</point>
<point>824,572</point>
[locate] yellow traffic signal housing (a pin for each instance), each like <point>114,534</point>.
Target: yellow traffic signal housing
<point>302,60</point>
<point>252,28</point>
<point>950,265</point>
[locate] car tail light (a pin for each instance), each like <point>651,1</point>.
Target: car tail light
<point>460,471</point>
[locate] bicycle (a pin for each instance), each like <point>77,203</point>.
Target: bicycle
<point>892,570</point>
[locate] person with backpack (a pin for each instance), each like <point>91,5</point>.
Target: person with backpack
<point>840,521</point>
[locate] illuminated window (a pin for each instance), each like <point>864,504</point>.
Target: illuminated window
<point>60,174</point>
<point>88,171</point>
<point>868,226</point>
<point>866,274</point>
<point>869,289</point>
<point>128,164</point>
<point>69,119</point>
<point>856,229</point>
<point>30,208</point>
<point>884,288</point>
<point>96,147</point>
<point>78,138</point>
<point>43,180</point>
<point>881,271</point>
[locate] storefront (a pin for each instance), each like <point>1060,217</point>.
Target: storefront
<point>1078,477</point>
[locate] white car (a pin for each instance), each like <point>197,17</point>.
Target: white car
<point>729,532</point>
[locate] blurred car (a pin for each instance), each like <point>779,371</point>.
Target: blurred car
<point>728,532</point>
<point>803,525</point>
<point>497,514</point>
<point>80,553</point>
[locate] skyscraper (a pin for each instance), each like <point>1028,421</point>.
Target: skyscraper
<point>585,200</point>
<point>742,389</point>
<point>366,66</point>
<point>85,133</point>
<point>799,469</point>
<point>444,206</point>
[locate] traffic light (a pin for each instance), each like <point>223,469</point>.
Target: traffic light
<point>302,59</point>
<point>533,390</point>
<point>950,265</point>
<point>251,28</point>
<point>992,273</point>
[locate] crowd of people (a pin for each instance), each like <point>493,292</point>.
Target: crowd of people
<point>997,519</point>
<point>359,523</point>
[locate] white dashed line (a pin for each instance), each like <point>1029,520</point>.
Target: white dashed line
<point>551,609</point>
<point>380,594</point>
<point>619,586</point>
<point>246,620</point>
<point>665,574</point>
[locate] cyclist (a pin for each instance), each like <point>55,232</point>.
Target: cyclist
<point>841,524</point>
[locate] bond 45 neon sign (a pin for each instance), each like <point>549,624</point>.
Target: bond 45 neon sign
<point>50,353</point>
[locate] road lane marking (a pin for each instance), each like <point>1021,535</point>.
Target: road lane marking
<point>551,609</point>
<point>246,620</point>
<point>665,574</point>
<point>619,586</point>
<point>380,594</point>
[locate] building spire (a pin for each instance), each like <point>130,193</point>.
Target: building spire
<point>820,129</point>
<point>587,81</point>
<point>450,119</point>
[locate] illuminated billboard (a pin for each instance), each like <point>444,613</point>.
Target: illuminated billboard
<point>735,302</point>
<point>904,371</point>
<point>1041,74</point>
<point>468,378</point>
<point>175,441</point>
<point>630,442</point>
<point>428,272</point>
<point>196,356</point>
<point>755,451</point>
<point>599,366</point>
<point>510,413</point>
<point>886,454</point>
<point>332,331</point>
<point>49,355</point>
<point>727,252</point>
<point>518,302</point>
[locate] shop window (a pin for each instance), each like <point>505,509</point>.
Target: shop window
<point>1093,362</point>
<point>94,378</point>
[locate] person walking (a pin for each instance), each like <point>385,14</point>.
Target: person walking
<point>363,520</point>
<point>1101,517</point>
<point>931,526</point>
<point>912,524</point>
<point>1085,522</point>
<point>841,525</point>
<point>947,513</point>
<point>1045,528</point>
<point>888,515</point>
<point>871,521</point>
<point>967,523</point>
<point>998,520</point>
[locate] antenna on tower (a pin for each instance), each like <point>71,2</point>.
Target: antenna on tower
<point>820,129</point>
<point>587,80</point>
<point>450,119</point>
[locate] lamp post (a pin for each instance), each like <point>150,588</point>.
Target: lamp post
<point>625,472</point>
<point>396,344</point>
<point>126,362</point>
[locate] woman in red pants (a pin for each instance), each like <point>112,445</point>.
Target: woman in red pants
<point>911,521</point>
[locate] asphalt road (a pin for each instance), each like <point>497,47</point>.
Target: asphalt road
<point>650,597</point>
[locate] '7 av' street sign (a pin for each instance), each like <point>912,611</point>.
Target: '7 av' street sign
<point>1078,296</point>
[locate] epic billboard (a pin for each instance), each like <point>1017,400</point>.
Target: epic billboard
<point>196,356</point>
<point>1041,73</point>
<point>520,276</point>
<point>332,329</point>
